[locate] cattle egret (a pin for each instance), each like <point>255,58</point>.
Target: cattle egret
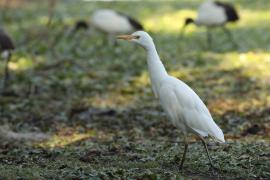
<point>182,105</point>
<point>6,46</point>
<point>110,22</point>
<point>214,14</point>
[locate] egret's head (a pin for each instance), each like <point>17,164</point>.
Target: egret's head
<point>140,37</point>
<point>189,21</point>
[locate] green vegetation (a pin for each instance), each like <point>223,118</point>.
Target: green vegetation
<point>96,102</point>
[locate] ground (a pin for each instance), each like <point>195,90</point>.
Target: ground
<point>95,100</point>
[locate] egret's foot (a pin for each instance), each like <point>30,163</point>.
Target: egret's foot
<point>184,156</point>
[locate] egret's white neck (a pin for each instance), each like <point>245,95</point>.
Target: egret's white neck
<point>156,69</point>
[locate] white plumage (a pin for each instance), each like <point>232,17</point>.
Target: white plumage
<point>186,109</point>
<point>210,14</point>
<point>182,105</point>
<point>112,22</point>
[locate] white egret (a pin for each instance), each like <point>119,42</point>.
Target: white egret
<point>214,14</point>
<point>182,105</point>
<point>6,46</point>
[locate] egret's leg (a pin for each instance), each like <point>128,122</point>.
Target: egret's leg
<point>184,154</point>
<point>229,34</point>
<point>205,146</point>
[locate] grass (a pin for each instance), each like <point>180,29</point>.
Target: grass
<point>96,102</point>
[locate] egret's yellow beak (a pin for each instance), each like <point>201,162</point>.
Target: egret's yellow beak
<point>126,37</point>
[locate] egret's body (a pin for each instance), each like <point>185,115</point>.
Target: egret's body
<point>182,105</point>
<point>214,14</point>
<point>186,109</point>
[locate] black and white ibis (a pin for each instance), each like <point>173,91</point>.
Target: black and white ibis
<point>214,14</point>
<point>110,22</point>
<point>6,46</point>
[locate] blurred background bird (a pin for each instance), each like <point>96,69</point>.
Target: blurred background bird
<point>109,22</point>
<point>214,14</point>
<point>6,47</point>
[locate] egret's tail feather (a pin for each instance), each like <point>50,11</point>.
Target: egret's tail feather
<point>218,135</point>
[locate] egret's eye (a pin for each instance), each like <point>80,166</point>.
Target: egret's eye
<point>137,37</point>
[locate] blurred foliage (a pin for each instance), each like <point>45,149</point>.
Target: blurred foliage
<point>95,99</point>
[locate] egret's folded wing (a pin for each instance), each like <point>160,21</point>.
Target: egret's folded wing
<point>170,104</point>
<point>195,113</point>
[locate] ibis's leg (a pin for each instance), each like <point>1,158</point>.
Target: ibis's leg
<point>6,73</point>
<point>209,38</point>
<point>57,40</point>
<point>229,34</point>
<point>112,40</point>
<point>182,32</point>
<point>51,9</point>
<point>184,154</point>
<point>207,152</point>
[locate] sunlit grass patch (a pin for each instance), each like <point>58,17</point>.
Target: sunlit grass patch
<point>249,18</point>
<point>116,99</point>
<point>252,64</point>
<point>183,74</point>
<point>223,106</point>
<point>67,136</point>
<point>21,64</point>
<point>169,22</point>
<point>142,80</point>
